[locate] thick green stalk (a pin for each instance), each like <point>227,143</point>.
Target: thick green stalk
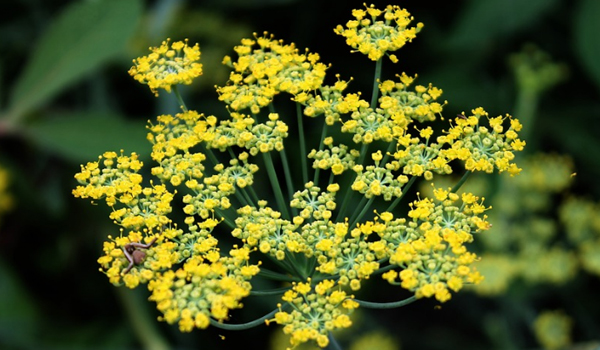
<point>323,136</point>
<point>461,182</point>
<point>211,156</point>
<point>247,196</point>
<point>175,90</point>
<point>281,203</point>
<point>302,141</point>
<point>297,267</point>
<point>253,194</point>
<point>404,191</point>
<point>331,178</point>
<point>365,208</point>
<point>226,219</point>
<point>386,156</point>
<point>376,78</point>
<point>349,191</point>
<point>241,195</point>
<point>363,153</point>
<point>345,202</point>
<point>288,178</point>
<point>333,344</point>
<point>141,320</point>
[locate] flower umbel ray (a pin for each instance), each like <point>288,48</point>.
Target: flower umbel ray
<point>246,195</point>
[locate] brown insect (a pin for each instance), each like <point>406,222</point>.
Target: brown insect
<point>134,255</point>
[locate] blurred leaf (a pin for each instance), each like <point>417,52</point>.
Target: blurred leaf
<point>83,136</point>
<point>586,30</point>
<point>460,86</point>
<point>242,4</point>
<point>85,36</point>
<point>482,21</point>
<point>18,319</point>
<point>573,130</point>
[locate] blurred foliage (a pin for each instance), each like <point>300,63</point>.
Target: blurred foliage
<point>65,97</point>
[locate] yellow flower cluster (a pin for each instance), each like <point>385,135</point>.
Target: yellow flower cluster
<point>266,67</point>
<point>316,311</point>
<point>402,105</point>
<point>264,228</point>
<point>112,177</point>
<point>330,101</point>
<point>337,158</point>
<point>140,211</point>
<point>378,180</point>
<point>152,248</point>
<point>432,252</point>
<point>484,148</point>
<point>314,234</point>
<point>376,32</point>
<point>168,65</point>
<point>208,285</point>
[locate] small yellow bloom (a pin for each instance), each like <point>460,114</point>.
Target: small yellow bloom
<point>168,65</point>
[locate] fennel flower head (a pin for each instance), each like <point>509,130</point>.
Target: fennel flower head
<point>246,199</point>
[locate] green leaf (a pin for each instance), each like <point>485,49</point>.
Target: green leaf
<point>482,21</point>
<point>587,45</point>
<point>83,136</point>
<point>19,320</point>
<point>85,36</point>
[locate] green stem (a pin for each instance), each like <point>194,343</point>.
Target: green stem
<point>286,266</point>
<point>349,191</point>
<point>240,194</point>
<point>386,156</point>
<point>375,95</point>
<point>312,264</point>
<point>333,343</point>
<point>461,182</point>
<point>288,178</point>
<point>323,135</point>
<point>243,200</point>
<point>390,305</point>
<point>297,268</point>
<point>253,194</point>
<point>345,202</point>
<point>404,191</point>
<point>365,208</point>
<point>331,178</point>
<point>363,153</point>
<point>228,221</point>
<point>175,90</point>
<point>243,326</point>
<point>141,321</point>
<point>247,196</point>
<point>276,275</point>
<point>281,203</point>
<point>263,293</point>
<point>303,154</point>
<point>383,269</point>
<point>211,156</point>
